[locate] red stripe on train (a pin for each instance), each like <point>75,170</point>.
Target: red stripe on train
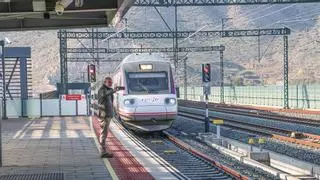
<point>155,113</point>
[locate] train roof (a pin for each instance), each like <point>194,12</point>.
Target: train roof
<point>145,57</point>
<point>140,57</point>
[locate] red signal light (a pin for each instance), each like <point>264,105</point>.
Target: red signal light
<point>206,69</point>
<point>206,73</point>
<point>91,73</point>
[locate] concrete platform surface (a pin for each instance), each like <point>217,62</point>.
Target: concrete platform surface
<point>57,144</point>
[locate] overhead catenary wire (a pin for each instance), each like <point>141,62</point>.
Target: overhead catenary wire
<point>248,14</point>
<point>287,20</point>
<point>297,18</point>
<point>268,14</point>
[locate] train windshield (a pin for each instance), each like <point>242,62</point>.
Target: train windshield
<point>148,82</point>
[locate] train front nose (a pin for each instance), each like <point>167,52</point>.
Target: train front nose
<point>151,118</point>
<point>150,113</point>
<point>154,113</point>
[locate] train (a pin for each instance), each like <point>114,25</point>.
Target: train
<point>148,102</point>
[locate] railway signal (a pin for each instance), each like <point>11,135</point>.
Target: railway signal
<point>92,73</point>
<point>206,73</point>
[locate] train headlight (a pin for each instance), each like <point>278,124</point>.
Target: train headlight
<point>171,101</point>
<point>128,102</point>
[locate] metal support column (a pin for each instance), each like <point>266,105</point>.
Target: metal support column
<point>206,119</point>
<point>176,55</point>
<point>222,78</point>
<point>63,62</point>
<point>185,80</point>
<point>83,76</point>
<point>4,109</point>
<point>4,87</point>
<point>285,78</point>
<point>77,108</point>
<point>259,49</point>
<point>98,57</point>
<point>297,96</point>
<point>23,84</point>
<point>92,47</point>
<point>41,111</point>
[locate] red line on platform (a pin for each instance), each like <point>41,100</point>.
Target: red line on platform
<point>124,164</point>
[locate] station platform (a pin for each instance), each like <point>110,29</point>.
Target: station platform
<point>67,148</point>
<point>132,160</point>
<point>51,148</point>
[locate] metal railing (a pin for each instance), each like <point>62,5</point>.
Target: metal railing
<point>46,107</point>
<point>300,96</point>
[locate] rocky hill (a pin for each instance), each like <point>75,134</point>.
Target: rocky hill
<point>241,55</point>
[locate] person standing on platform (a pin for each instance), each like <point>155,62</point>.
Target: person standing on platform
<point>105,103</point>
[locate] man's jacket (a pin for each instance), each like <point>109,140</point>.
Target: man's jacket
<point>105,99</point>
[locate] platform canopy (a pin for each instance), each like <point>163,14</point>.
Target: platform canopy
<point>55,14</point>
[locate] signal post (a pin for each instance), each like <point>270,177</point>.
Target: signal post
<point>206,78</point>
<point>207,136</point>
<point>92,78</point>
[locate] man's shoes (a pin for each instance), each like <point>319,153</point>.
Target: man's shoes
<point>102,124</point>
<point>106,155</point>
<point>102,154</point>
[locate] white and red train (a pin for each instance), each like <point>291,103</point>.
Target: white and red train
<point>148,101</point>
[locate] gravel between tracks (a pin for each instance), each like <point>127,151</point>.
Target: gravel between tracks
<point>193,127</point>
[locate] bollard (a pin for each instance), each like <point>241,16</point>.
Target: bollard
<point>261,142</point>
<point>217,122</point>
<point>251,142</point>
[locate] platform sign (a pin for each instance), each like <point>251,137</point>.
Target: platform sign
<point>72,97</point>
<point>217,121</point>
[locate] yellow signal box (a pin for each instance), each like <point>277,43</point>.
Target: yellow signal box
<point>261,141</point>
<point>217,121</point>
<point>251,141</point>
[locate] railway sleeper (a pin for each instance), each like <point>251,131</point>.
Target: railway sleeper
<point>206,176</point>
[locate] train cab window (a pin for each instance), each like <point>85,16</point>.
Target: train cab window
<point>148,82</point>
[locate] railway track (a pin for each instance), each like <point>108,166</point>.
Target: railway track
<point>305,139</point>
<point>191,127</point>
<point>187,161</point>
<point>263,130</point>
<point>190,163</point>
<point>249,112</point>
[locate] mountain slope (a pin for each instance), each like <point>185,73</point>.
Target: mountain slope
<point>303,42</point>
